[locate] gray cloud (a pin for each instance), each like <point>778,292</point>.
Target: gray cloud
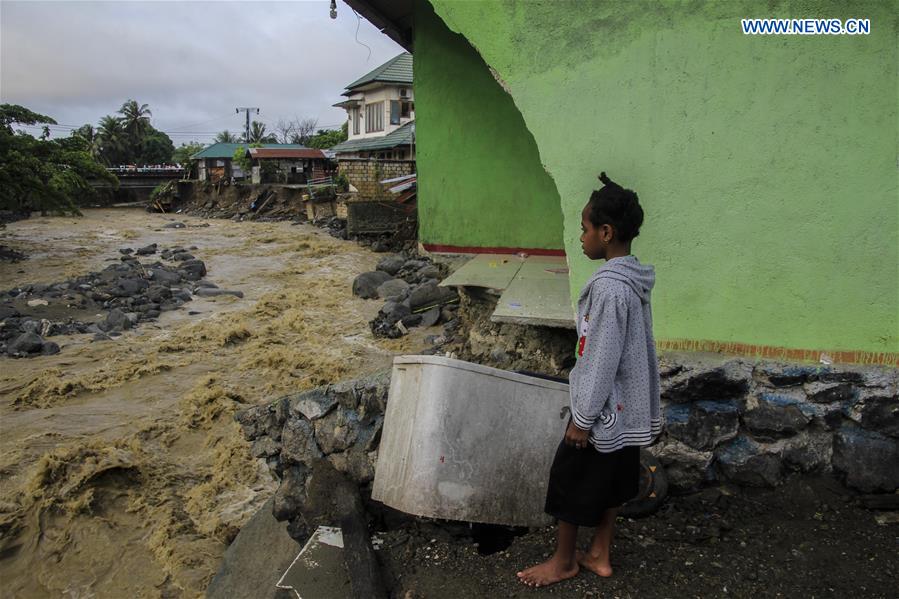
<point>192,62</point>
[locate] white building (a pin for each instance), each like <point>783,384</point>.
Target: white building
<point>380,109</point>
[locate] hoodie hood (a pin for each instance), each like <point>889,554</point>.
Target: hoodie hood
<point>627,269</point>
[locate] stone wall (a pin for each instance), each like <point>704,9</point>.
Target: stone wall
<point>365,175</point>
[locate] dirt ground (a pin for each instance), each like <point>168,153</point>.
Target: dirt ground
<point>122,473</point>
<point>808,538</point>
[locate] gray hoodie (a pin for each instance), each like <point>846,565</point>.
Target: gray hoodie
<point>615,384</point>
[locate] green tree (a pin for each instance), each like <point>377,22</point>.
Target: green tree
<point>90,137</point>
<point>136,122</point>
<point>184,152</point>
<point>258,134</point>
<point>156,147</point>
<point>113,141</point>
<point>50,175</point>
<point>327,138</point>
<point>226,137</point>
<point>242,159</point>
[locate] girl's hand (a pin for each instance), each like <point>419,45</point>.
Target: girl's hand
<point>576,437</point>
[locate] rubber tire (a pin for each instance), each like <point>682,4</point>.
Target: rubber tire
<point>653,488</point>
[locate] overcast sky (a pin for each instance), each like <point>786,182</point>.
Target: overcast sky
<point>192,62</point>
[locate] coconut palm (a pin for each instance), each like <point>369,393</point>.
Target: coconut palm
<point>226,137</point>
<point>258,135</point>
<point>113,140</point>
<point>91,138</point>
<point>135,118</point>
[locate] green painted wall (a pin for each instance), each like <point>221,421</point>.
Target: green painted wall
<point>767,165</point>
<point>481,181</point>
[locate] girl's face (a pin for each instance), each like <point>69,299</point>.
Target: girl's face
<point>594,240</point>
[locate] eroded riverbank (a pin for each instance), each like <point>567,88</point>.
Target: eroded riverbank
<point>123,473</point>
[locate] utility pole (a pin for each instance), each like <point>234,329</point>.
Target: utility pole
<point>247,110</point>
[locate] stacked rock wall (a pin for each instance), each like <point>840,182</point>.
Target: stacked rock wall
<point>725,420</point>
<point>753,423</point>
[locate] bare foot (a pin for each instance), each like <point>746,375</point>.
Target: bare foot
<point>549,572</point>
<point>596,564</point>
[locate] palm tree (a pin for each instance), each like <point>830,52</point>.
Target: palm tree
<point>258,135</point>
<point>113,140</point>
<point>90,137</point>
<point>226,137</point>
<point>135,118</point>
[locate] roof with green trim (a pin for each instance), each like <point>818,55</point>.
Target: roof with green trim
<point>226,150</point>
<point>396,70</point>
<point>403,136</point>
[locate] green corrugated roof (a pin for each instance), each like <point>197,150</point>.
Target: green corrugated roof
<point>400,137</point>
<point>396,70</point>
<point>226,150</point>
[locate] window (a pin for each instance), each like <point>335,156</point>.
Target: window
<point>374,117</point>
<point>356,115</point>
<point>406,110</point>
<point>394,112</point>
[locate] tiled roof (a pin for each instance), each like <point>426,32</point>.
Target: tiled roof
<point>286,153</point>
<point>226,150</point>
<point>396,70</point>
<point>400,137</point>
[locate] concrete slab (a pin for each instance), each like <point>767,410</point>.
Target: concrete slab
<point>494,271</point>
<point>536,299</point>
<point>319,571</point>
<point>463,441</point>
<point>544,267</point>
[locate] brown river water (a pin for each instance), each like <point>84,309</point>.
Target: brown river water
<point>122,472</point>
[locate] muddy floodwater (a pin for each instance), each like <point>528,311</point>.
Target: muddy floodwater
<point>122,472</point>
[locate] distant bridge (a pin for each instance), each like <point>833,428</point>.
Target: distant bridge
<point>143,177</point>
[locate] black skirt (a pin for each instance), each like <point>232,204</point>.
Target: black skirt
<point>584,483</point>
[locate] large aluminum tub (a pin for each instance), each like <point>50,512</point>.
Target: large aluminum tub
<point>468,442</point>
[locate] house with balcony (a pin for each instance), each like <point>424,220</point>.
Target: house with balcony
<point>380,109</point>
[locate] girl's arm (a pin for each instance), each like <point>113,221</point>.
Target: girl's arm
<point>600,349</point>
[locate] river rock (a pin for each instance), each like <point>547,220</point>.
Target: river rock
<point>265,447</point>
<point>366,285</point>
<point>392,288</point>
<point>192,270</point>
<point>49,348</point>
<point>771,415</point>
<point>704,424</point>
<point>390,264</point>
<point>430,295</point>
<point>182,257</point>
<point>166,277</point>
<point>430,317</point>
<point>745,462</point>
<point>822,392</point>
<point>174,225</point>
<point>866,460</point>
<point>429,271</point>
<point>337,431</point>
<point>115,321</point>
<point>208,292</point>
<point>158,293</point>
<point>146,250</point>
<point>313,404</point>
<point>715,383</point>
<point>26,343</point>
<point>809,451</point>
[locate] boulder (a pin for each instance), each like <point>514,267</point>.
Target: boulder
<point>298,445</point>
<point>366,285</point>
<point>715,383</point>
<point>116,320</point>
<point>313,404</point>
<point>704,424</point>
<point>866,460</point>
<point>390,264</point>
<point>745,462</point>
<point>291,494</point>
<point>174,225</point>
<point>265,447</point>
<point>159,293</point>
<point>392,288</point>
<point>394,311</point>
<point>146,250</point>
<point>337,431</point>
<point>166,277</point>
<point>430,317</point>
<point>788,375</point>
<point>49,348</point>
<point>822,392</point>
<point>429,271</point>
<point>809,451</point>
<point>685,467</point>
<point>209,292</point>
<point>430,295</point>
<point>876,410</point>
<point>772,415</point>
<point>26,343</point>
<point>182,257</point>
